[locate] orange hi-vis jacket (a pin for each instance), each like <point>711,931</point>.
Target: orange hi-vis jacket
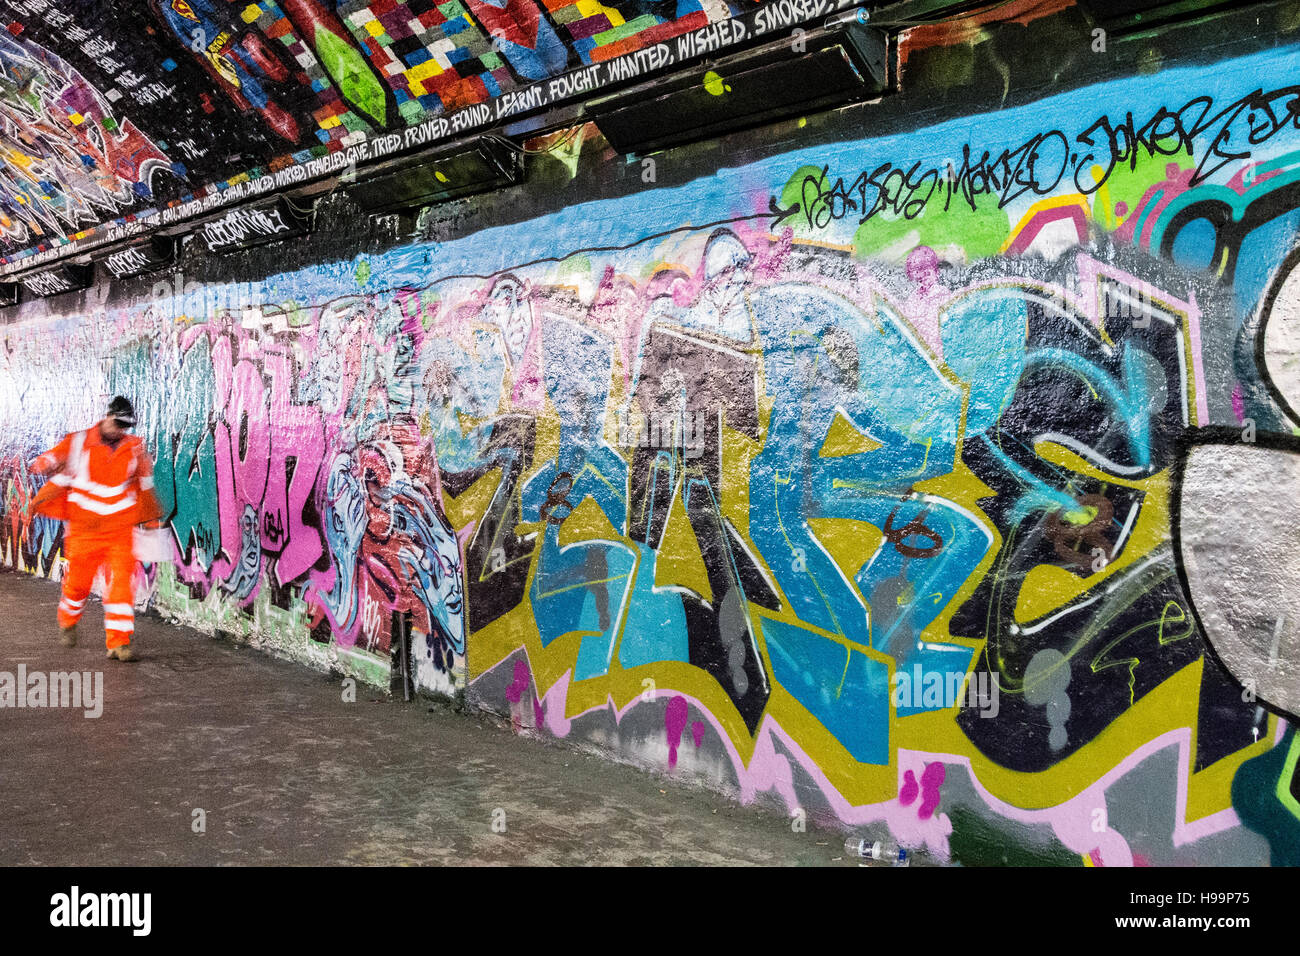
<point>95,488</point>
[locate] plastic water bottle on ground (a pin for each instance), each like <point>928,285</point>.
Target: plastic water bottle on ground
<point>878,850</point>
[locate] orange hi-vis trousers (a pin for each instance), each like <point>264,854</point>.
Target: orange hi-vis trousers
<point>86,554</point>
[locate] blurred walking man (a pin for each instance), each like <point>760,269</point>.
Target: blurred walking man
<point>101,484</point>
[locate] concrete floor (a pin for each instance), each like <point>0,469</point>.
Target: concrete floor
<point>287,773</point>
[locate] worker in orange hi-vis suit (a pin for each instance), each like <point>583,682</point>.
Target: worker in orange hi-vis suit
<point>102,485</point>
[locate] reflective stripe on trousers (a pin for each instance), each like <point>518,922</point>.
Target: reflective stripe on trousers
<point>85,558</point>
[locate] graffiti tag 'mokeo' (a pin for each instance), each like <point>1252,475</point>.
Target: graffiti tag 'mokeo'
<point>75,689</point>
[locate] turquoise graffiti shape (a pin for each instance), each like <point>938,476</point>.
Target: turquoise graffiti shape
<point>847,691</point>
<point>581,587</point>
<point>826,358</point>
<point>185,473</point>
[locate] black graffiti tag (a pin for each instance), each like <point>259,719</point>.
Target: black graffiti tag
<point>1043,161</point>
<point>1067,537</point>
<point>272,526</point>
<point>914,528</point>
<point>555,497</point>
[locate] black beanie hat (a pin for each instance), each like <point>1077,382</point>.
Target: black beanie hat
<point>120,409</point>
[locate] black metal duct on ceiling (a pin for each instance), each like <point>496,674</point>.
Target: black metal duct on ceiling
<point>247,226</point>
<point>475,166</point>
<point>154,253</point>
<point>57,280</point>
<point>1122,17</point>
<point>810,71</point>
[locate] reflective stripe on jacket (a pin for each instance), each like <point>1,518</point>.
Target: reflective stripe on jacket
<point>97,487</point>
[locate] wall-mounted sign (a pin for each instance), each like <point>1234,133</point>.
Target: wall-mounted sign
<point>243,228</point>
<point>143,257</point>
<point>57,280</point>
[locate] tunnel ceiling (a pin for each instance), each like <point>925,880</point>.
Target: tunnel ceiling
<point>112,111</point>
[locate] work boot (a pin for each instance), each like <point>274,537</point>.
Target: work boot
<point>122,653</point>
<point>68,636</point>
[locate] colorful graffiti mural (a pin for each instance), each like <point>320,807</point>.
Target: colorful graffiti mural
<point>898,508</point>
<point>66,159</point>
<point>108,110</point>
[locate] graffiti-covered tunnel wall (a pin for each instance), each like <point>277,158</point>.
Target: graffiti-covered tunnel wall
<point>928,466</point>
